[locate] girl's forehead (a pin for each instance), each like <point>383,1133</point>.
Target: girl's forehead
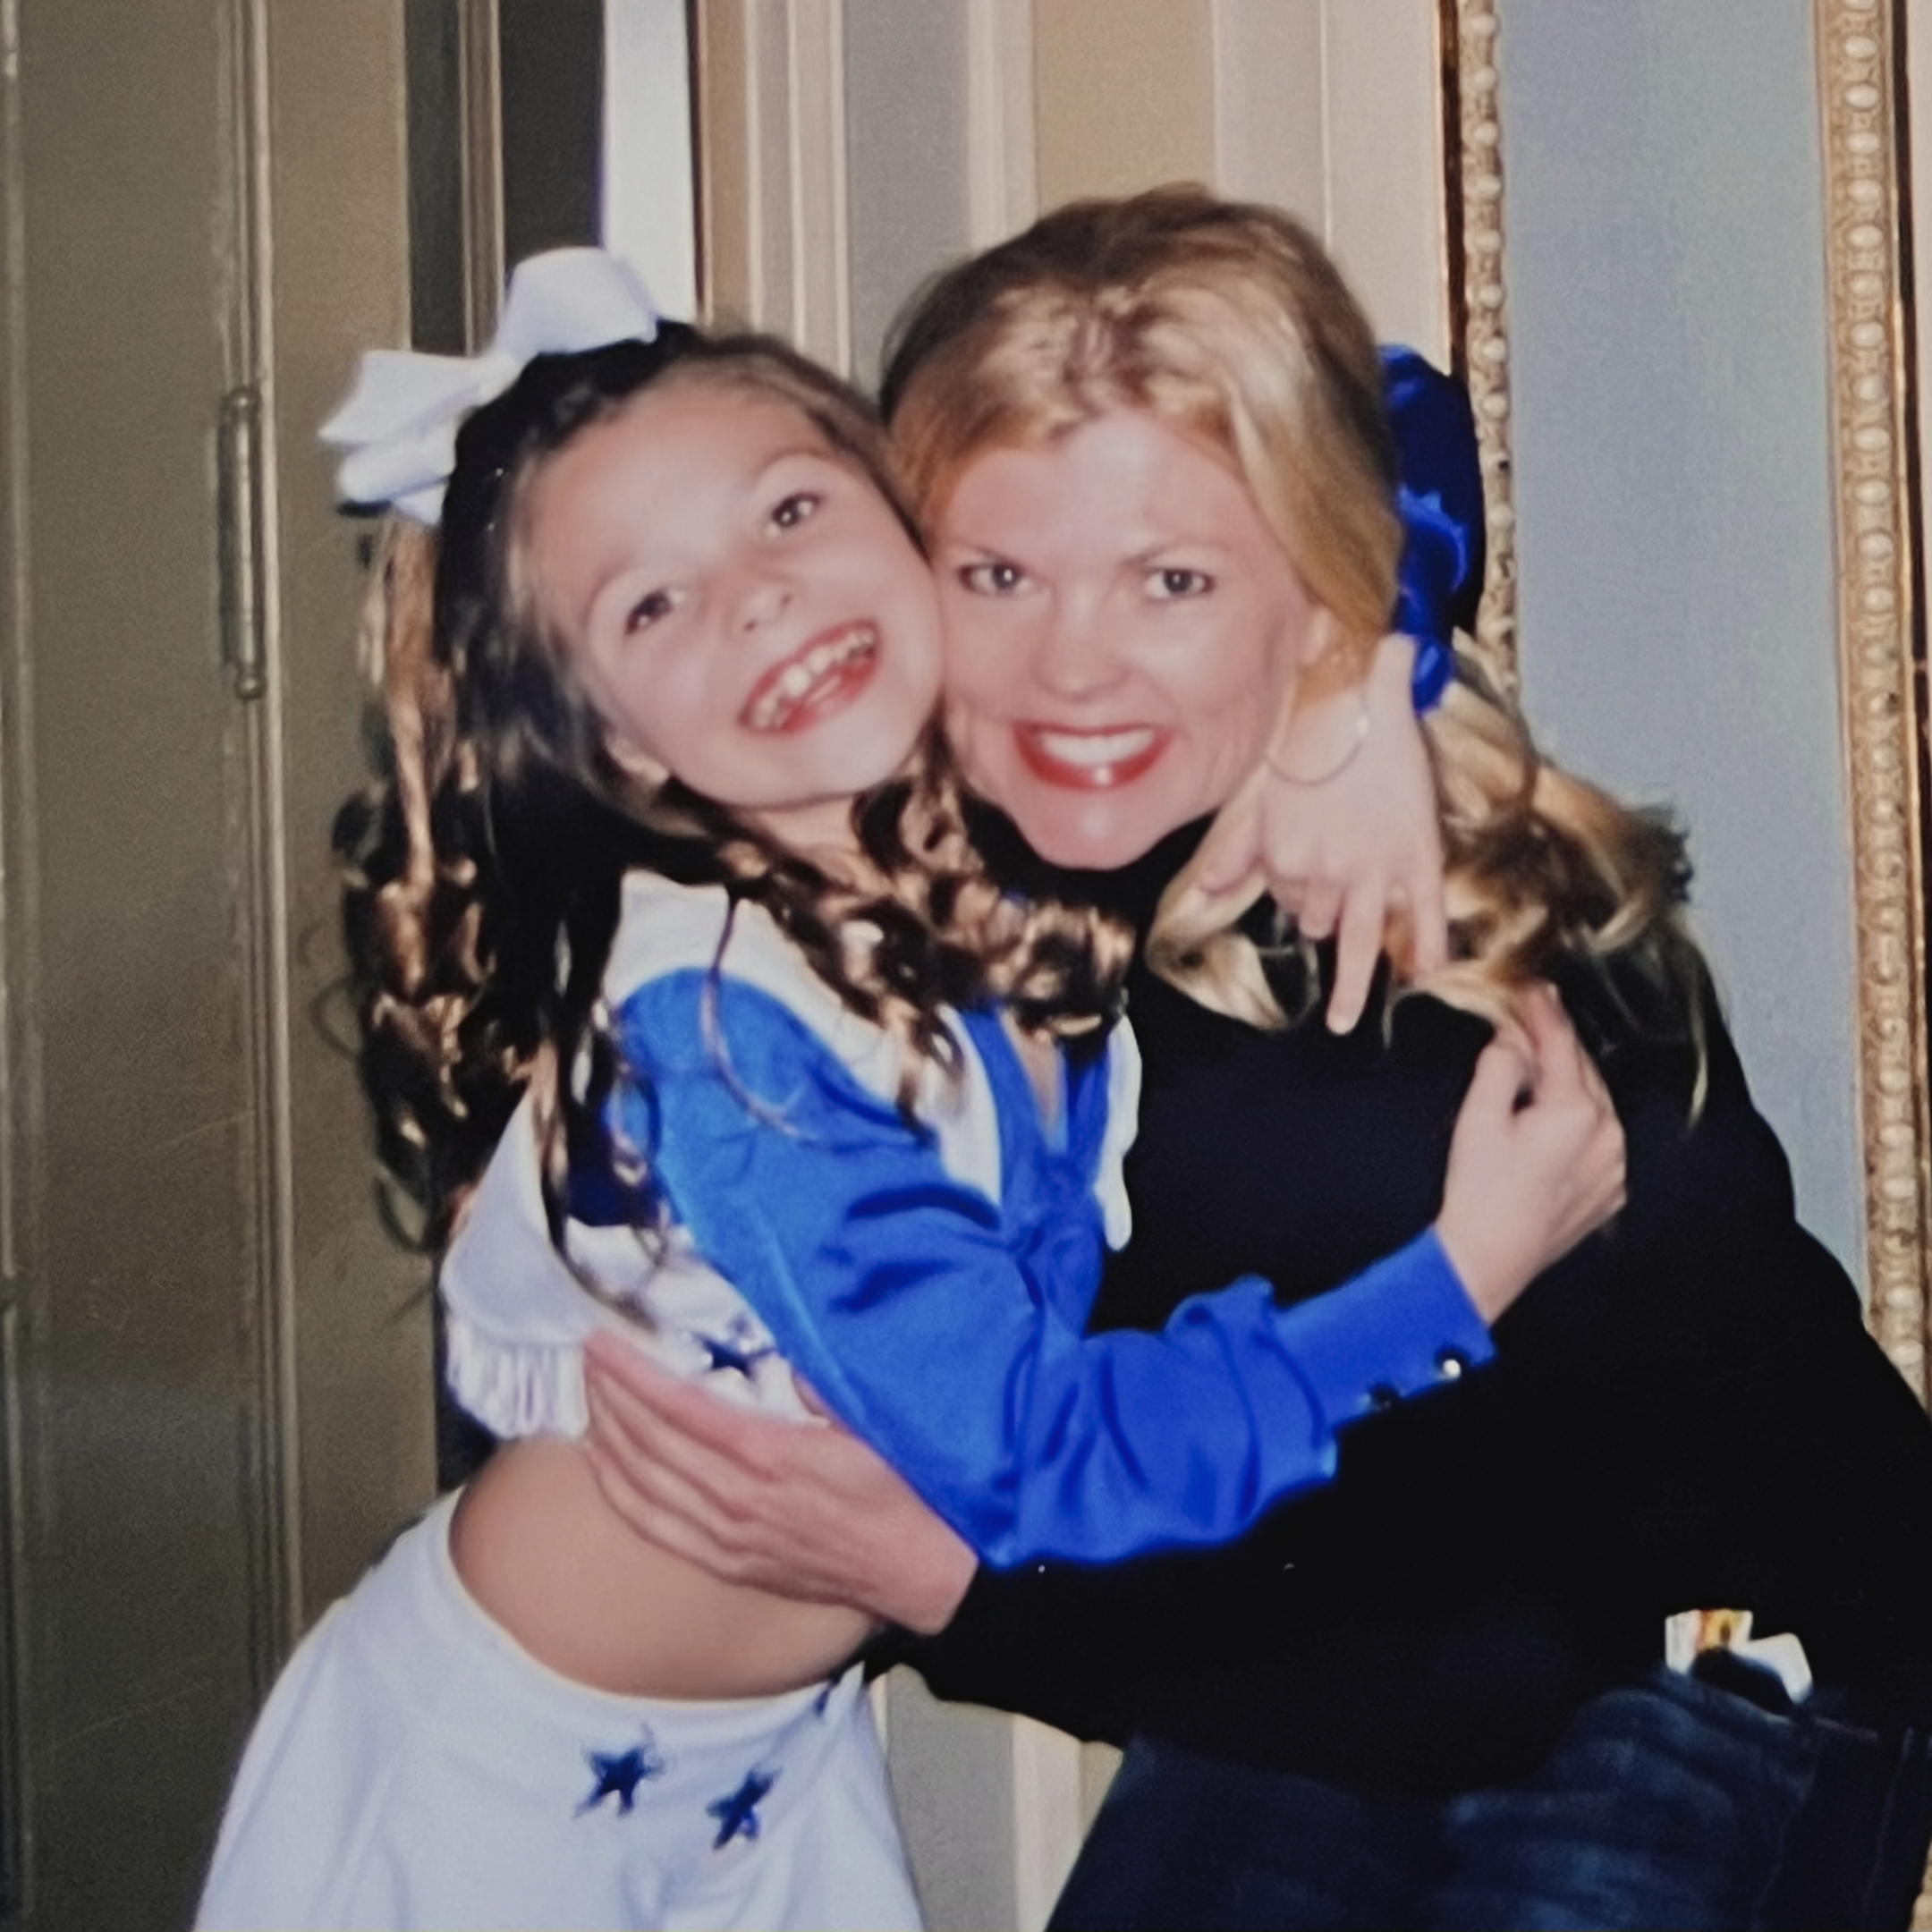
<point>701,400</point>
<point>682,446</point>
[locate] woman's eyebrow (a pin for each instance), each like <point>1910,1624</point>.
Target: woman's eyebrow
<point>1151,555</point>
<point>955,540</point>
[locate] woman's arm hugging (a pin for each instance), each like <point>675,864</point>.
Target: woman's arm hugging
<point>804,1511</point>
<point>809,1513</point>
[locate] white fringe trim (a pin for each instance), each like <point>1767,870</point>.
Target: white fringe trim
<point>515,1388</point>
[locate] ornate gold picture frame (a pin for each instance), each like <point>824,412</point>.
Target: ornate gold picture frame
<point>1479,295</point>
<point>1881,642</point>
<point>1880,627</point>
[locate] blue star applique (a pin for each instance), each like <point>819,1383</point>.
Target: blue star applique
<point>620,1773</point>
<point>737,1815</point>
<point>736,1351</point>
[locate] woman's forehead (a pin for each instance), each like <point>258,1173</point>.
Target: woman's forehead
<point>1124,481</point>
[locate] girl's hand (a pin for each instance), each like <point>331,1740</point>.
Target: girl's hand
<point>1355,853</point>
<point>1537,1162</point>
<point>808,1513</point>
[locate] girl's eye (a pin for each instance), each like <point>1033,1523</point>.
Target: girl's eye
<point>648,609</point>
<point>795,509</point>
<point>1171,583</point>
<point>992,578</point>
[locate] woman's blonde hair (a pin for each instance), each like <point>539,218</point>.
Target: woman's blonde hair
<point>1227,321</point>
<point>486,864</point>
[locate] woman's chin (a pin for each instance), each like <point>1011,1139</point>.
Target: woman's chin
<point>1090,835</point>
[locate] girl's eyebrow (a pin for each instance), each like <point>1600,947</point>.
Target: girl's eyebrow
<point>603,589</point>
<point>791,453</point>
<point>754,485</point>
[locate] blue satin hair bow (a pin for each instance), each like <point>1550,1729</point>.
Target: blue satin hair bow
<point>1439,494</point>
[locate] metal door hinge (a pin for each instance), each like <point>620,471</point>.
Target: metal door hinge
<point>244,642</point>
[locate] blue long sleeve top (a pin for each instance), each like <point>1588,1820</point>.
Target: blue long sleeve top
<point>932,1278</point>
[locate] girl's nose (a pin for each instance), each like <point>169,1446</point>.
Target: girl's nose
<point>764,595</point>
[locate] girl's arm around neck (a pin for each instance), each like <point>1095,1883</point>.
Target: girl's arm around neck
<point>946,1331</point>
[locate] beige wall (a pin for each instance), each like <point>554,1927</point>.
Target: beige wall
<point>1329,108</point>
<point>1124,95</point>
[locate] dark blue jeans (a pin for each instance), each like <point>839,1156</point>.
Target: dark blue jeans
<point>1666,1805</point>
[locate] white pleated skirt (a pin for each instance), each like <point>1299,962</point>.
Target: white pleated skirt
<point>416,1770</point>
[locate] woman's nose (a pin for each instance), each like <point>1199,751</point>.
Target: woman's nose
<point>1073,654</point>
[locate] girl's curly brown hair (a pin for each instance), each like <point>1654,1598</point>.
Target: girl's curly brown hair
<point>485,863</point>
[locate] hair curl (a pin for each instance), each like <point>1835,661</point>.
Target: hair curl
<point>485,863</point>
<point>1227,321</point>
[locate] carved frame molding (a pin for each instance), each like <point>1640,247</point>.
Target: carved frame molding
<point>1880,643</point>
<point>1478,293</point>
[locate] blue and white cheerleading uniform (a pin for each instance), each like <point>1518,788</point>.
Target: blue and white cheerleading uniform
<point>932,1280</point>
<point>932,1283</point>
<point>416,1768</point>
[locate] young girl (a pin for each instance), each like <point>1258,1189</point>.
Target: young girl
<point>672,865</point>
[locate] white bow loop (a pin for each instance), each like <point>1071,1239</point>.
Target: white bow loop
<point>397,429</point>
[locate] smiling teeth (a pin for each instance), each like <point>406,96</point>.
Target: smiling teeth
<point>1095,748</point>
<point>775,705</point>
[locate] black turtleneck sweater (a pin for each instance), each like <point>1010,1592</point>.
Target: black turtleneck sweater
<point>1686,1412</point>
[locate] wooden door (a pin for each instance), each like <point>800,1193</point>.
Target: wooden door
<point>212,1364</point>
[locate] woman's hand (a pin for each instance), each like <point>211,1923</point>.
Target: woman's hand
<point>1351,854</point>
<point>1537,1162</point>
<point>809,1513</point>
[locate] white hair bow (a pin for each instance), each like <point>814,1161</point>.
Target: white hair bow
<point>398,427</point>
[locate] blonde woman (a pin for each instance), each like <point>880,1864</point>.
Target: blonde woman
<point>1636,1629</point>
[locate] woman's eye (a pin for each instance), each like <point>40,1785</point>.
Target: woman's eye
<point>794,509</point>
<point>993,578</point>
<point>1172,583</point>
<point>649,609</point>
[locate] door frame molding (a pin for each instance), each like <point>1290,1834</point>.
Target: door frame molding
<point>1003,179</point>
<point>774,251</point>
<point>21,1173</point>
